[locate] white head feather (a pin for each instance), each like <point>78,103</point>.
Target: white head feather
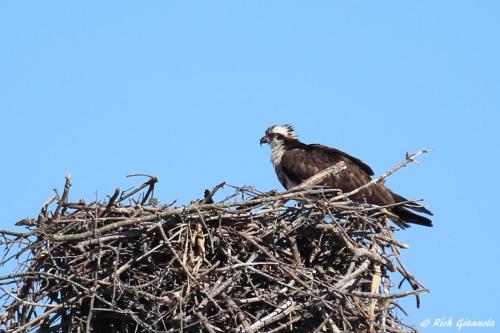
<point>286,130</point>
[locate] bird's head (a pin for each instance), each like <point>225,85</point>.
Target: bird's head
<point>276,135</point>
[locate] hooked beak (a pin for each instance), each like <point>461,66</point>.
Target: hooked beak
<point>264,139</point>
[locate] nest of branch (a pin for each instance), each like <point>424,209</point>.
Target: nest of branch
<point>306,260</point>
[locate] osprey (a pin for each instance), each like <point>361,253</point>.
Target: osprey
<point>294,162</point>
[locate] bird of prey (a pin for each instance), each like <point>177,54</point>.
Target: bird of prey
<point>294,162</point>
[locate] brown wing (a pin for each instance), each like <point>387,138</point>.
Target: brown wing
<point>334,151</point>
<point>300,164</point>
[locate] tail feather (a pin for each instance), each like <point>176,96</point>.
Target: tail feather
<point>413,205</point>
<point>406,217</point>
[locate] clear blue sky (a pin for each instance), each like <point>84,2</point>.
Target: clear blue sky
<point>184,90</point>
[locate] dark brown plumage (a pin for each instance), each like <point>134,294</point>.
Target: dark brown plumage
<point>295,162</point>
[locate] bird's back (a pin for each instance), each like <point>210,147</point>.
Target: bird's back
<point>303,161</point>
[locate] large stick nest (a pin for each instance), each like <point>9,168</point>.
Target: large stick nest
<point>305,260</point>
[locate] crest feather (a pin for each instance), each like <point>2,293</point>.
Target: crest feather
<point>286,130</point>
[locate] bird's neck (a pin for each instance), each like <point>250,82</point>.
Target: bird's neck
<point>278,148</point>
<point>277,151</point>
